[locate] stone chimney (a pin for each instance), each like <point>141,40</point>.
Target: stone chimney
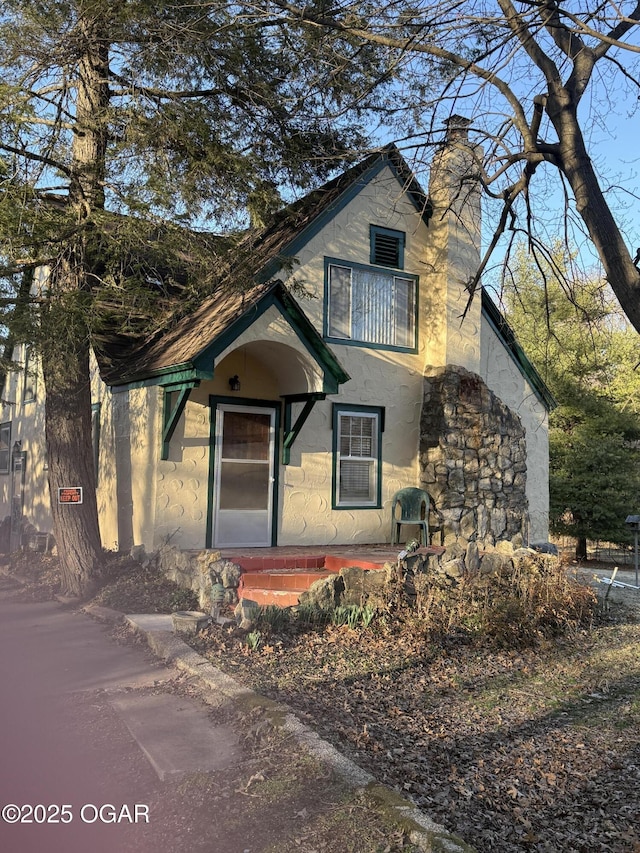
<point>457,129</point>
<point>472,447</point>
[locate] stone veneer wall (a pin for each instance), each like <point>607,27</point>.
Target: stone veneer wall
<point>473,459</point>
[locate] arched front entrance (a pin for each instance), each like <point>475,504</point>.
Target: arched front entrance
<point>256,382</point>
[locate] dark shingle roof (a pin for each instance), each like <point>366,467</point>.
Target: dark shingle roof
<point>246,276</point>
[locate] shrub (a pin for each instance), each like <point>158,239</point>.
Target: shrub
<point>523,601</point>
<point>273,617</point>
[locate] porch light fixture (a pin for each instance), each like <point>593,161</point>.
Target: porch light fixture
<point>234,383</point>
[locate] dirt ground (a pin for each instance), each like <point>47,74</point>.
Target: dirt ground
<point>514,749</point>
<point>532,749</point>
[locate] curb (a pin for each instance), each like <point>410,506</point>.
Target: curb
<point>425,833</point>
<point>103,614</point>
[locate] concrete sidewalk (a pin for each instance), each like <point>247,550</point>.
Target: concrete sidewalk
<point>157,630</point>
<point>78,702</point>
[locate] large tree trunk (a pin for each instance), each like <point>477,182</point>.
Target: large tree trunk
<point>66,332</point>
<point>592,206</point>
<point>70,457</point>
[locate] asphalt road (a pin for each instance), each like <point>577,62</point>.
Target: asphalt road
<point>72,777</point>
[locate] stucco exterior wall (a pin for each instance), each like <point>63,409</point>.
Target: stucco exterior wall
<point>181,492</point>
<point>453,257</point>
<point>268,351</point>
<point>506,380</point>
<point>270,362</point>
<point>379,377</point>
<point>27,427</point>
<point>106,475</point>
<point>128,449</point>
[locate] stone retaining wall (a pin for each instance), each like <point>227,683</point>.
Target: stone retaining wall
<point>200,571</point>
<point>473,460</point>
<point>356,586</point>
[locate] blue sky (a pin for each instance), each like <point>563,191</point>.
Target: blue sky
<point>613,141</point>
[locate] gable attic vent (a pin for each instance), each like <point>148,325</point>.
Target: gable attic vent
<point>387,247</point>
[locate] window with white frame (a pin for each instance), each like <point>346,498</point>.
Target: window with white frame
<point>370,306</point>
<point>357,439</point>
<point>5,448</point>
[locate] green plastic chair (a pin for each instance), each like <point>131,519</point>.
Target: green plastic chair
<point>414,509</point>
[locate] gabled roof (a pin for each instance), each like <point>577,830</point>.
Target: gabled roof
<point>246,287</point>
<point>187,351</point>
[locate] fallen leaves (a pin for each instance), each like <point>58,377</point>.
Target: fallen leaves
<point>527,750</point>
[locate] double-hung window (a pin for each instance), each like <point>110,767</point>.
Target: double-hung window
<point>369,305</point>
<point>356,450</point>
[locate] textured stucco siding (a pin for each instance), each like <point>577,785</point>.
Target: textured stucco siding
<point>453,324</point>
<point>379,377</point>
<point>106,489</point>
<point>27,427</point>
<point>268,351</point>
<point>271,361</point>
<point>503,376</point>
<point>181,495</point>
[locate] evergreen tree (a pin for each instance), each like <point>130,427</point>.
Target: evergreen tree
<point>584,349</point>
<point>119,115</point>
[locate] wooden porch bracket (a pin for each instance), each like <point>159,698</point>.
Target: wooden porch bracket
<point>291,432</point>
<point>172,411</point>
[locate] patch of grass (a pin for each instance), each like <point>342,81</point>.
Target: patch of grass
<point>352,824</point>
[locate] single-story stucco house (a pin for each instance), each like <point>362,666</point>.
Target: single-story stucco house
<point>270,417</point>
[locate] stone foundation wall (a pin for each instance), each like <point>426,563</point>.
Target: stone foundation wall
<point>473,460</point>
<point>199,571</point>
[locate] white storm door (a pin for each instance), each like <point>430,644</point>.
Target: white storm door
<point>243,475</point>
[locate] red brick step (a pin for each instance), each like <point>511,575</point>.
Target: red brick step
<point>279,587</point>
<point>278,575</point>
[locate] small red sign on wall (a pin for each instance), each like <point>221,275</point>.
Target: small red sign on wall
<point>70,495</point>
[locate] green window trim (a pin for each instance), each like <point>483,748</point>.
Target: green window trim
<point>357,456</point>
<point>386,247</point>
<point>367,306</point>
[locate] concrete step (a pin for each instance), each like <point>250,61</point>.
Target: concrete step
<point>272,597</point>
<point>281,587</point>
